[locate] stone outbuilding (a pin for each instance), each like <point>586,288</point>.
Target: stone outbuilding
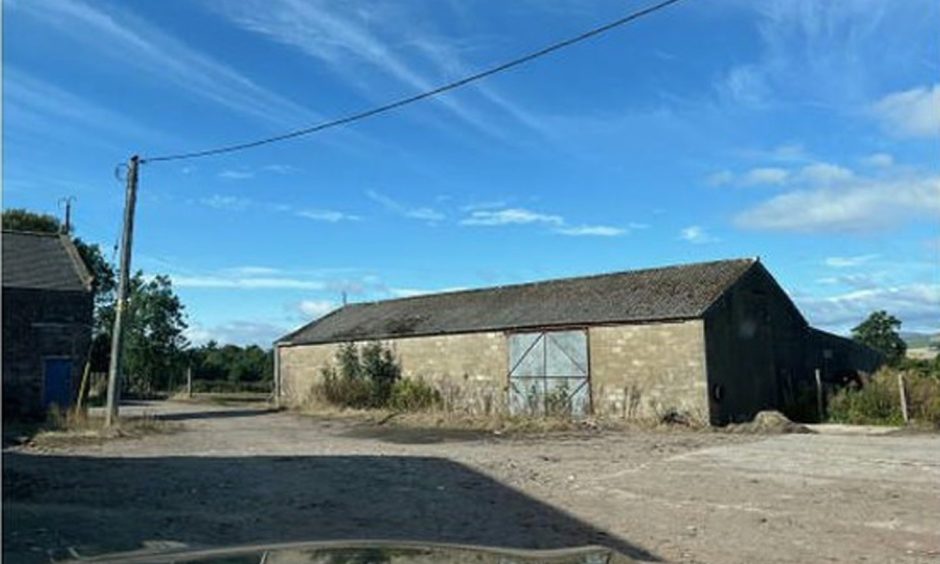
<point>47,322</point>
<point>715,342</point>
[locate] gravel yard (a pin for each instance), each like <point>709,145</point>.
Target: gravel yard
<point>235,475</point>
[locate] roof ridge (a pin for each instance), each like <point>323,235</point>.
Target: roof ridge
<point>33,233</point>
<point>78,263</point>
<point>556,280</point>
<point>287,337</point>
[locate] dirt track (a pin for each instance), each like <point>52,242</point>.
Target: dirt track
<point>235,476</point>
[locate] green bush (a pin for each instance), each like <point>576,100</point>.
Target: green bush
<point>379,367</point>
<point>879,403</point>
<point>414,395</point>
<point>558,402</point>
<point>347,358</point>
<point>923,399</point>
<point>363,379</point>
<point>345,392</point>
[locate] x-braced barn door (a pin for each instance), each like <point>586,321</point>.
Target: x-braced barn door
<point>549,373</point>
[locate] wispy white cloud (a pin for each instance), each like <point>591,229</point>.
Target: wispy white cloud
<point>280,168</point>
<point>345,40</point>
<point>138,44</point>
<point>252,271</point>
<point>483,205</point>
<point>747,85</point>
<point>228,203</point>
<point>315,308</point>
<point>910,113</point>
<point>720,178</point>
<point>785,153</point>
<point>39,105</point>
<point>856,280</point>
<point>331,216</point>
<point>422,213</point>
<point>765,175</point>
<point>238,332</point>
<point>510,216</point>
<point>849,262</point>
<point>485,216</point>
<point>826,54</point>
<point>863,204</point>
<point>824,174</point>
<point>225,280</point>
<point>411,292</point>
<point>448,59</point>
<point>697,234</point>
<point>816,173</point>
<point>592,231</point>
<point>240,204</point>
<point>244,173</point>
<point>917,305</point>
<point>229,174</point>
<point>879,160</point>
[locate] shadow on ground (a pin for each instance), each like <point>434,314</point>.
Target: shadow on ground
<point>110,504</point>
<point>212,414</point>
<point>415,435</point>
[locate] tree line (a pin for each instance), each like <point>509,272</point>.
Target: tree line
<point>156,350</point>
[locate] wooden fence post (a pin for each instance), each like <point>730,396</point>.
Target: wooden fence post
<point>820,408</point>
<point>903,393</point>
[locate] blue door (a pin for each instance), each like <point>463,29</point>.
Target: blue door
<point>58,382</point>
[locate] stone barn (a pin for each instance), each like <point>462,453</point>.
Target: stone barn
<point>47,317</point>
<point>715,342</point>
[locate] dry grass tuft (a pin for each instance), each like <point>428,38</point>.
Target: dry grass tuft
<point>73,427</point>
<point>497,423</point>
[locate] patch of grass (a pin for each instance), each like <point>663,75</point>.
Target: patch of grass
<point>73,427</point>
<point>499,424</point>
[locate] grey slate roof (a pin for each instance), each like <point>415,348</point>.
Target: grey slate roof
<point>657,294</point>
<point>42,261</point>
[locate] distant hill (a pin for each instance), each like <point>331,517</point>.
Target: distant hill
<point>916,340</point>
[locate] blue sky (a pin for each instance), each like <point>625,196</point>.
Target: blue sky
<point>803,132</point>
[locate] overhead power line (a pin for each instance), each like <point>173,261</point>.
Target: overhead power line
<point>417,97</point>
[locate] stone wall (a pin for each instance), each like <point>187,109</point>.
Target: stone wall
<point>300,368</point>
<point>468,369</point>
<point>637,371</point>
<point>643,371</point>
<point>39,324</point>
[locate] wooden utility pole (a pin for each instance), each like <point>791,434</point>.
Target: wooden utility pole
<point>120,310</point>
<point>189,382</point>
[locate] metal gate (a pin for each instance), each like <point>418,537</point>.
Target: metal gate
<point>549,373</point>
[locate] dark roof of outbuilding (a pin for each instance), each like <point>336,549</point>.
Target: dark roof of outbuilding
<point>656,294</point>
<point>43,261</point>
